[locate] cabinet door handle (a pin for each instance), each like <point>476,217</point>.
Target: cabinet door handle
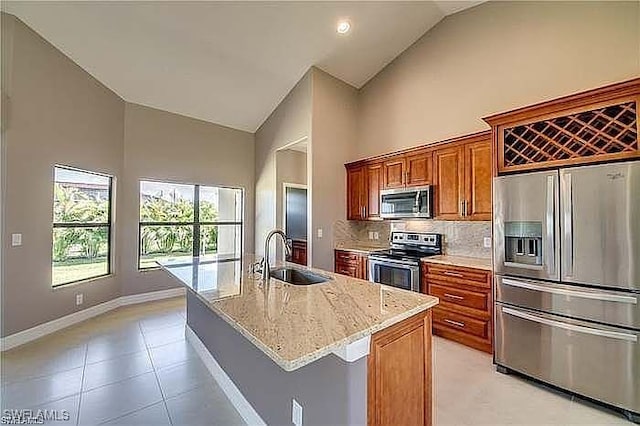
<point>453,296</point>
<point>453,274</point>
<point>456,323</point>
<point>462,208</point>
<point>466,208</point>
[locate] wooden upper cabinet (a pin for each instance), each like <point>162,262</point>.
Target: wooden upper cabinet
<point>459,169</point>
<point>477,157</point>
<point>419,168</point>
<point>356,192</point>
<point>374,185</point>
<point>598,125</point>
<point>462,179</point>
<point>394,173</point>
<point>449,182</point>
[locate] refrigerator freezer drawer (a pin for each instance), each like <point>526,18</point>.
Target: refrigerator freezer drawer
<point>596,361</point>
<point>610,307</point>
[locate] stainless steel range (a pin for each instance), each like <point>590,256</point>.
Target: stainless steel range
<point>567,286</point>
<point>399,266</point>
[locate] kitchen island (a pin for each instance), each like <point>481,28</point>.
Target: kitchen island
<point>348,351</point>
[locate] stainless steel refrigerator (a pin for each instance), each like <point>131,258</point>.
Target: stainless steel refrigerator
<point>567,280</point>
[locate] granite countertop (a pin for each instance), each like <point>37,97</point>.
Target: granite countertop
<point>464,261</point>
<point>296,325</point>
<point>359,247</point>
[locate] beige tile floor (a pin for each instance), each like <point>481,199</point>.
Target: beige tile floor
<point>133,366</point>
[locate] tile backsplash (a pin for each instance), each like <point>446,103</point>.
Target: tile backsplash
<point>461,238</point>
<point>349,233</point>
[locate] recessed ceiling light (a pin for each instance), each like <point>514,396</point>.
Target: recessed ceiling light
<point>343,27</point>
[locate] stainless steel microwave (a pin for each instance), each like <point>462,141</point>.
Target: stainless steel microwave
<point>406,203</point>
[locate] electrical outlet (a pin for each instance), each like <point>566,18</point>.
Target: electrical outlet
<point>296,413</point>
<point>16,240</point>
<point>79,299</point>
<point>376,236</point>
<point>371,235</point>
<point>487,242</point>
<point>319,232</point>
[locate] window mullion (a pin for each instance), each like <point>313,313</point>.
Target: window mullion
<point>196,220</point>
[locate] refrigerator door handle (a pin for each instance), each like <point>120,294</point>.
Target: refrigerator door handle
<point>550,220</point>
<point>607,297</point>
<point>567,216</point>
<point>571,327</point>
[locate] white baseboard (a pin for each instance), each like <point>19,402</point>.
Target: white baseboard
<point>248,413</point>
<point>28,335</point>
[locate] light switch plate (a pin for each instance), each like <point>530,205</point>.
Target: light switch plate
<point>376,236</point>
<point>296,413</point>
<point>79,299</point>
<point>371,235</point>
<point>487,242</point>
<point>319,232</point>
<point>16,240</point>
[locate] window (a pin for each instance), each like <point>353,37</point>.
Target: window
<point>81,225</point>
<point>178,220</point>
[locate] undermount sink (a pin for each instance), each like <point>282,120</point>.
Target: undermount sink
<point>297,276</point>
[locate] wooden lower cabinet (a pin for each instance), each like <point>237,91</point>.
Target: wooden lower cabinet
<point>298,252</point>
<point>352,264</point>
<point>466,304</point>
<point>399,388</point>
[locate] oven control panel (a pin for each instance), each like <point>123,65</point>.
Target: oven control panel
<point>416,238</point>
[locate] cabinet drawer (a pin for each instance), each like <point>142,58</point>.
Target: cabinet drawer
<point>349,270</point>
<point>347,257</point>
<point>470,299</point>
<point>454,274</point>
<point>454,321</point>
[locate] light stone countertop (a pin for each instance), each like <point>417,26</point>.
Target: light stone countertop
<point>464,261</point>
<point>296,325</point>
<point>359,248</point>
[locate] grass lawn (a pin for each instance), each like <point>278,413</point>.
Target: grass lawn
<point>78,269</point>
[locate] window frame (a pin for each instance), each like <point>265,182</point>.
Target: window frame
<point>67,225</point>
<point>196,223</point>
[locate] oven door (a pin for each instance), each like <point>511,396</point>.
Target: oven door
<point>406,203</point>
<point>394,273</point>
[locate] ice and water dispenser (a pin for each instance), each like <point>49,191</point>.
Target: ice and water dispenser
<point>523,243</point>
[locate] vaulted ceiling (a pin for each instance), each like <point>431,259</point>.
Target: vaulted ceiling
<point>229,63</point>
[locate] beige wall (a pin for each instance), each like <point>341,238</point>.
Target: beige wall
<point>333,136</point>
<point>291,167</point>
<point>288,123</point>
<point>163,146</point>
<point>493,58</point>
<point>57,114</point>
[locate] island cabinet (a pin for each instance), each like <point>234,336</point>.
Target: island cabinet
<point>399,378</point>
<point>462,178</point>
<point>465,310</point>
<point>352,264</point>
